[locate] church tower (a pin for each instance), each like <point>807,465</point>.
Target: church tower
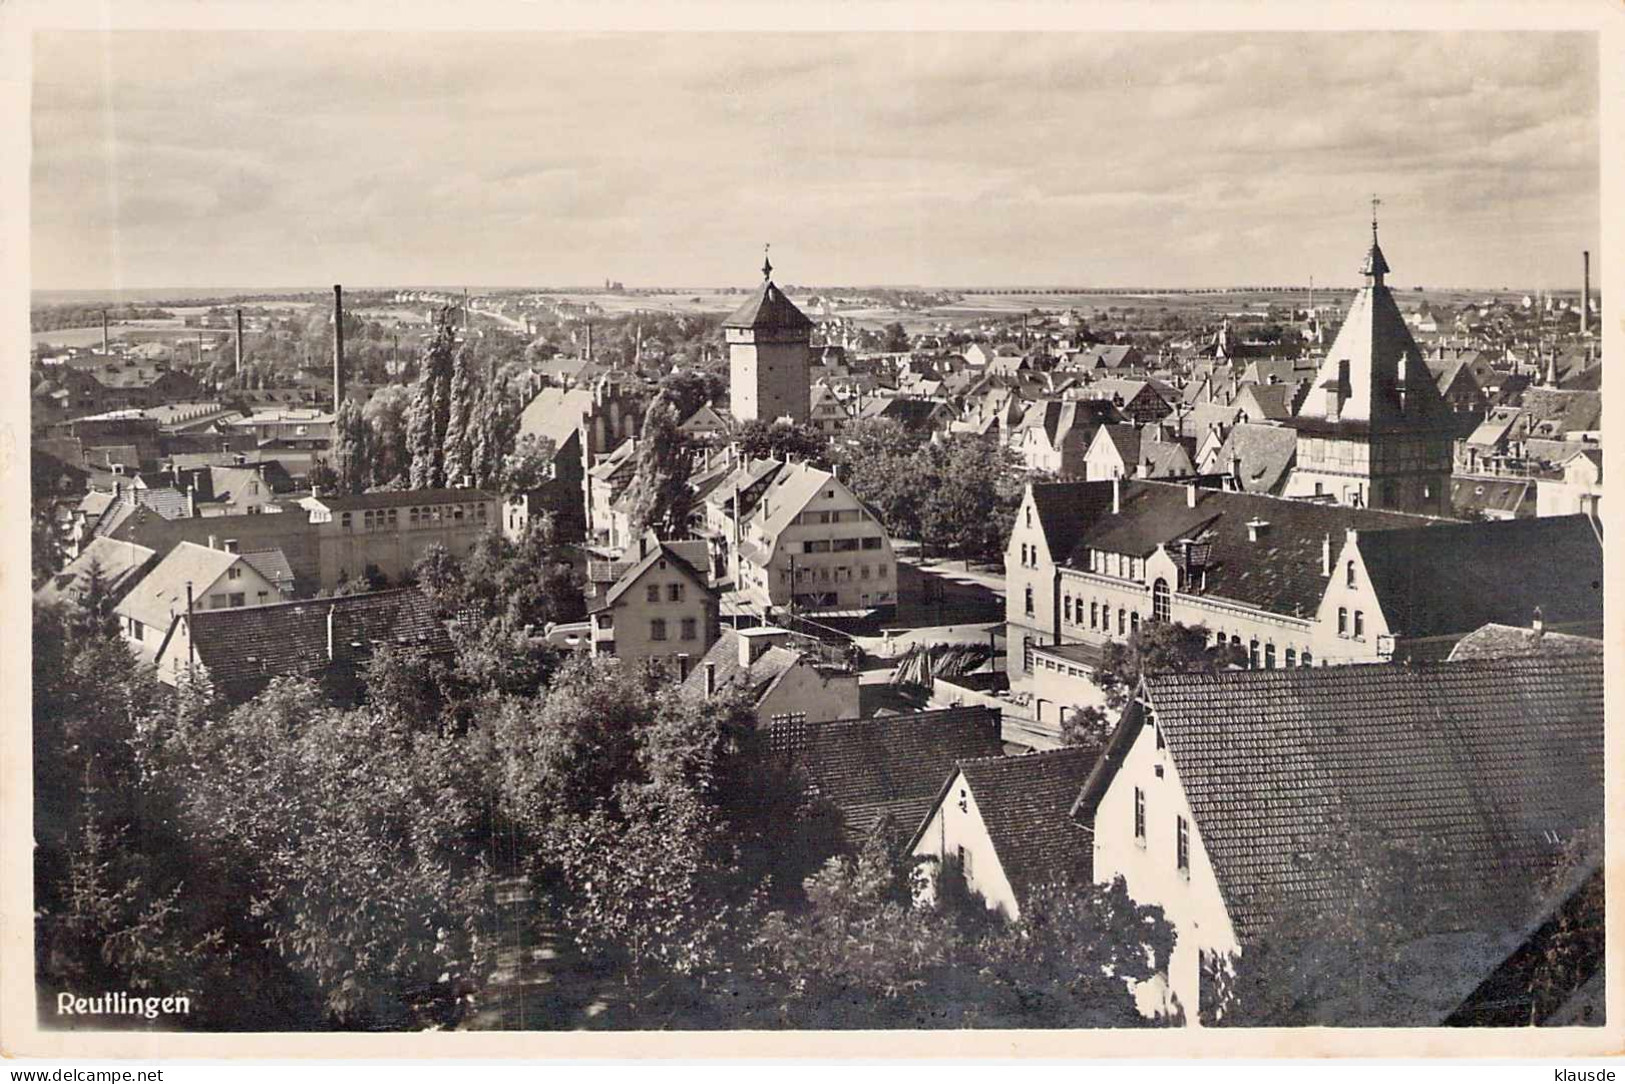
<point>1373,430</point>
<point>769,353</point>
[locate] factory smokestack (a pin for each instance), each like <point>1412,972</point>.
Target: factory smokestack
<point>105,347</point>
<point>589,340</point>
<point>239,343</point>
<point>338,346</point>
<point>1585,295</point>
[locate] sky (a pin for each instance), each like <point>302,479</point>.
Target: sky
<point>232,159</point>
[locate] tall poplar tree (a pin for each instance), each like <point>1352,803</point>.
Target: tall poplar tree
<point>462,406</point>
<point>431,407</point>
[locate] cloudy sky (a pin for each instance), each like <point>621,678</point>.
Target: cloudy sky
<point>228,159</point>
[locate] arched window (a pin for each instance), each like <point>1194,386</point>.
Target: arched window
<point>1291,657</point>
<point>1308,660</point>
<point>1161,603</point>
<point>1029,600</point>
<point>1359,624</point>
<point>1134,621</point>
<point>1252,654</point>
<point>1350,574</point>
<point>1342,621</point>
<point>1269,656</point>
<point>1066,608</point>
<point>1122,621</point>
<point>1094,615</point>
<point>1235,641</point>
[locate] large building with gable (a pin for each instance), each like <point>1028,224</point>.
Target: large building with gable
<point>1373,430</point>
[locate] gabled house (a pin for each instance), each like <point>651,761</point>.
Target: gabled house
<point>1006,822</point>
<point>236,653</point>
<point>1579,490</point>
<point>117,565</point>
<point>886,768</point>
<point>828,414</point>
<point>1054,435</point>
<point>660,609</point>
<point>786,677</point>
<point>706,423</point>
<point>189,578</point>
<point>1122,451</point>
<point>1258,457</point>
<point>1246,802</point>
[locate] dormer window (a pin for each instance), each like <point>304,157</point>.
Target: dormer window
<point>1349,574</point>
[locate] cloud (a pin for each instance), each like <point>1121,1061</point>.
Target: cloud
<point>288,157</point>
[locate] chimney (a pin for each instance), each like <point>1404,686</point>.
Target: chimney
<point>710,679</point>
<point>1326,555</point>
<point>589,340</point>
<point>643,545</point>
<point>1538,625</point>
<point>230,545</point>
<point>1585,296</point>
<point>315,491</point>
<point>747,651</point>
<point>1117,496</point>
<point>191,501</point>
<point>1256,528</point>
<point>332,611</point>
<point>107,349</point>
<point>338,346</point>
<point>239,342</point>
<point>682,666</point>
<point>214,542</point>
<point>1190,495</point>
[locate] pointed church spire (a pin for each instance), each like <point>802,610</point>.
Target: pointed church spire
<point>767,264</point>
<point>1375,267</point>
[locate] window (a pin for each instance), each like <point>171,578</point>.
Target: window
<point>690,628</point>
<point>1066,608</point>
<point>1183,844</point>
<point>136,629</point>
<point>1094,615</point>
<point>1122,621</point>
<point>1349,574</point>
<point>1359,624</point>
<point>1029,517</point>
<point>657,629</point>
<point>1024,555</point>
<point>217,601</point>
<point>1139,816</point>
<point>1027,653</point>
<point>1291,657</point>
<point>863,571</point>
<point>234,573</point>
<point>1269,656</point>
<point>1028,597</point>
<point>880,571</point>
<point>237,599</point>
<point>674,592</point>
<point>964,864</point>
<point>815,547</point>
<point>1307,660</point>
<point>344,519</point>
<point>871,543</point>
<point>1161,601</point>
<point>1134,621</point>
<point>1342,621</point>
<point>1252,654</point>
<point>651,593</point>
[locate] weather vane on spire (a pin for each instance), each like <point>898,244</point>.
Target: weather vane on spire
<point>1375,202</point>
<point>767,265</point>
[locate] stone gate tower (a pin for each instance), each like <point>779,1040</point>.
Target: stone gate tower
<point>768,356</point>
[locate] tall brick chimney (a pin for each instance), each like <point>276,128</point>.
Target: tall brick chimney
<point>239,342</point>
<point>106,349</point>
<point>338,346</point>
<point>1585,294</point>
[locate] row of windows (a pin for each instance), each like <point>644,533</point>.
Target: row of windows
<point>841,545</point>
<point>1182,833</point>
<point>1261,655</point>
<point>689,628</point>
<point>1343,623</point>
<point>825,574</point>
<point>674,592</point>
<point>1121,565</point>
<point>852,515</point>
<point>377,519</point>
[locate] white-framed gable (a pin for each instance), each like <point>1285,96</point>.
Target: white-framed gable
<point>954,828</point>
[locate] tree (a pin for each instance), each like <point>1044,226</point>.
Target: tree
<point>1159,647</point>
<point>430,413</point>
<point>659,495</point>
<point>528,467</point>
<point>761,439</point>
<point>45,551</point>
<point>878,460</point>
<point>352,449</point>
<point>972,488</point>
<point>896,339</point>
<point>690,389</point>
<point>386,413</point>
<point>322,476</point>
<point>463,396</point>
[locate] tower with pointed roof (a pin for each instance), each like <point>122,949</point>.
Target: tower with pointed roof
<point>1373,430</point>
<point>769,355</point>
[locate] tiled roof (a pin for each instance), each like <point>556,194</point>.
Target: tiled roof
<point>119,564</point>
<point>769,310</point>
<point>1454,578</point>
<point>1281,572</point>
<point>1266,452</point>
<point>656,553</point>
<point>555,414</point>
<point>1162,459</point>
<point>1506,641</point>
<point>1572,411</point>
<point>758,678</point>
<point>273,565</point>
<point>889,765</point>
<point>1475,761</point>
<point>1489,494</point>
<point>255,643</point>
<point>1266,402</point>
<point>1025,803</point>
